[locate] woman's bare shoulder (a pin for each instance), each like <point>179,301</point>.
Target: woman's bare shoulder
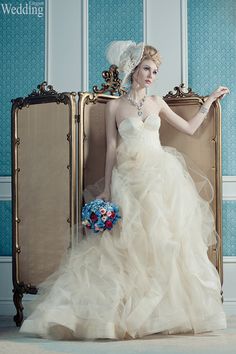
<point>157,99</point>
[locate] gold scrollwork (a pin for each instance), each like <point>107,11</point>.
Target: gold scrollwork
<point>43,89</point>
<point>113,82</point>
<point>91,98</point>
<point>180,92</point>
<point>43,93</point>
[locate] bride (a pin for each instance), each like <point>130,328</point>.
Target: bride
<point>151,272</point>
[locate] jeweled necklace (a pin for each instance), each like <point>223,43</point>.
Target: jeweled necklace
<point>138,105</point>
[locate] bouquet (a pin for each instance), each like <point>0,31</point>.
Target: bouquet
<point>99,215</point>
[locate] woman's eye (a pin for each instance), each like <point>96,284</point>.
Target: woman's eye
<point>146,68</point>
<point>154,72</point>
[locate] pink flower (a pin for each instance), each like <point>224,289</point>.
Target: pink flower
<point>104,218</point>
<point>109,213</point>
<point>102,211</point>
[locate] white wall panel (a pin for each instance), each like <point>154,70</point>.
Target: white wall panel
<point>64,44</point>
<point>166,29</point>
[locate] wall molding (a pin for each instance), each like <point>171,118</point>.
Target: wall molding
<point>229,187</point>
<point>85,47</point>
<point>229,184</point>
<point>172,45</point>
<point>5,259</point>
<point>46,41</point>
<point>184,41</point>
<point>229,259</point>
<point>65,52</point>
<point>145,21</point>
<point>5,188</point>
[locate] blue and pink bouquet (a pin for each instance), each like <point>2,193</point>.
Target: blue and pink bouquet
<point>99,215</point>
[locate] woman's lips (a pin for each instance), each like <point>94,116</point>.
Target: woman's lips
<point>148,81</point>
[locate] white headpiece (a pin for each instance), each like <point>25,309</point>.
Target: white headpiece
<point>126,55</point>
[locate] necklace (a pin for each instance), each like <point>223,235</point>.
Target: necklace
<point>138,105</point>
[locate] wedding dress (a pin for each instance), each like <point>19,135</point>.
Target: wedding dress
<point>151,272</point>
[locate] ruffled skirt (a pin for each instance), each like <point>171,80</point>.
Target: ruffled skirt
<point>150,273</point>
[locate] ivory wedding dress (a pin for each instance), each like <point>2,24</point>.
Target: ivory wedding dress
<point>151,273</point>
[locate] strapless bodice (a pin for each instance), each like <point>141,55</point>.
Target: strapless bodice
<point>134,128</point>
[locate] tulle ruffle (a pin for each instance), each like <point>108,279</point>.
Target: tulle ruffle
<point>151,272</point>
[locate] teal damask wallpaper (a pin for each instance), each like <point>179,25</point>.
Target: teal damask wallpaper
<point>22,67</point>
<point>229,228</point>
<point>22,51</point>
<point>212,62</point>
<point>5,228</point>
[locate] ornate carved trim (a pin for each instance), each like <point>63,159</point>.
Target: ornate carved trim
<point>43,89</point>
<point>91,98</point>
<point>18,291</point>
<point>113,83</point>
<point>45,93</point>
<point>181,92</point>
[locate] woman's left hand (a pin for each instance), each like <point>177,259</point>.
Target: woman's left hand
<point>219,93</point>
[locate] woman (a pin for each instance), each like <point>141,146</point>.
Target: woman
<point>151,272</point>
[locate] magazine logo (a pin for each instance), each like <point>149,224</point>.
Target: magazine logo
<point>33,8</point>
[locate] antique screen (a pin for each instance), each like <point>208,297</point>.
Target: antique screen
<point>43,186</point>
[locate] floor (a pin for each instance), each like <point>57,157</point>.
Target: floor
<point>219,342</point>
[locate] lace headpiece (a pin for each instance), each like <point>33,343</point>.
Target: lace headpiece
<point>126,55</point>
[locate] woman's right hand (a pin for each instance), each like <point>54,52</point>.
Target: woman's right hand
<point>105,195</point>
<point>219,93</point>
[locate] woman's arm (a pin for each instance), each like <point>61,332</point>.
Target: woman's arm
<point>111,142</point>
<point>189,127</point>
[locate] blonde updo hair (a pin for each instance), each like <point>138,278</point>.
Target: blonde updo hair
<point>152,53</point>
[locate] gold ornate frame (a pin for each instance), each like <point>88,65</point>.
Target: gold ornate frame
<point>26,118</point>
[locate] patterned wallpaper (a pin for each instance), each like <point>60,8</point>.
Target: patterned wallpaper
<point>108,21</point>
<point>212,62</point>
<point>229,228</point>
<point>22,68</point>
<point>5,228</point>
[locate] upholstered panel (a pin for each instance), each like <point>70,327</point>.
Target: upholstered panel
<point>42,189</point>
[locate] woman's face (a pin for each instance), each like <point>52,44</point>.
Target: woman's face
<point>145,73</point>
